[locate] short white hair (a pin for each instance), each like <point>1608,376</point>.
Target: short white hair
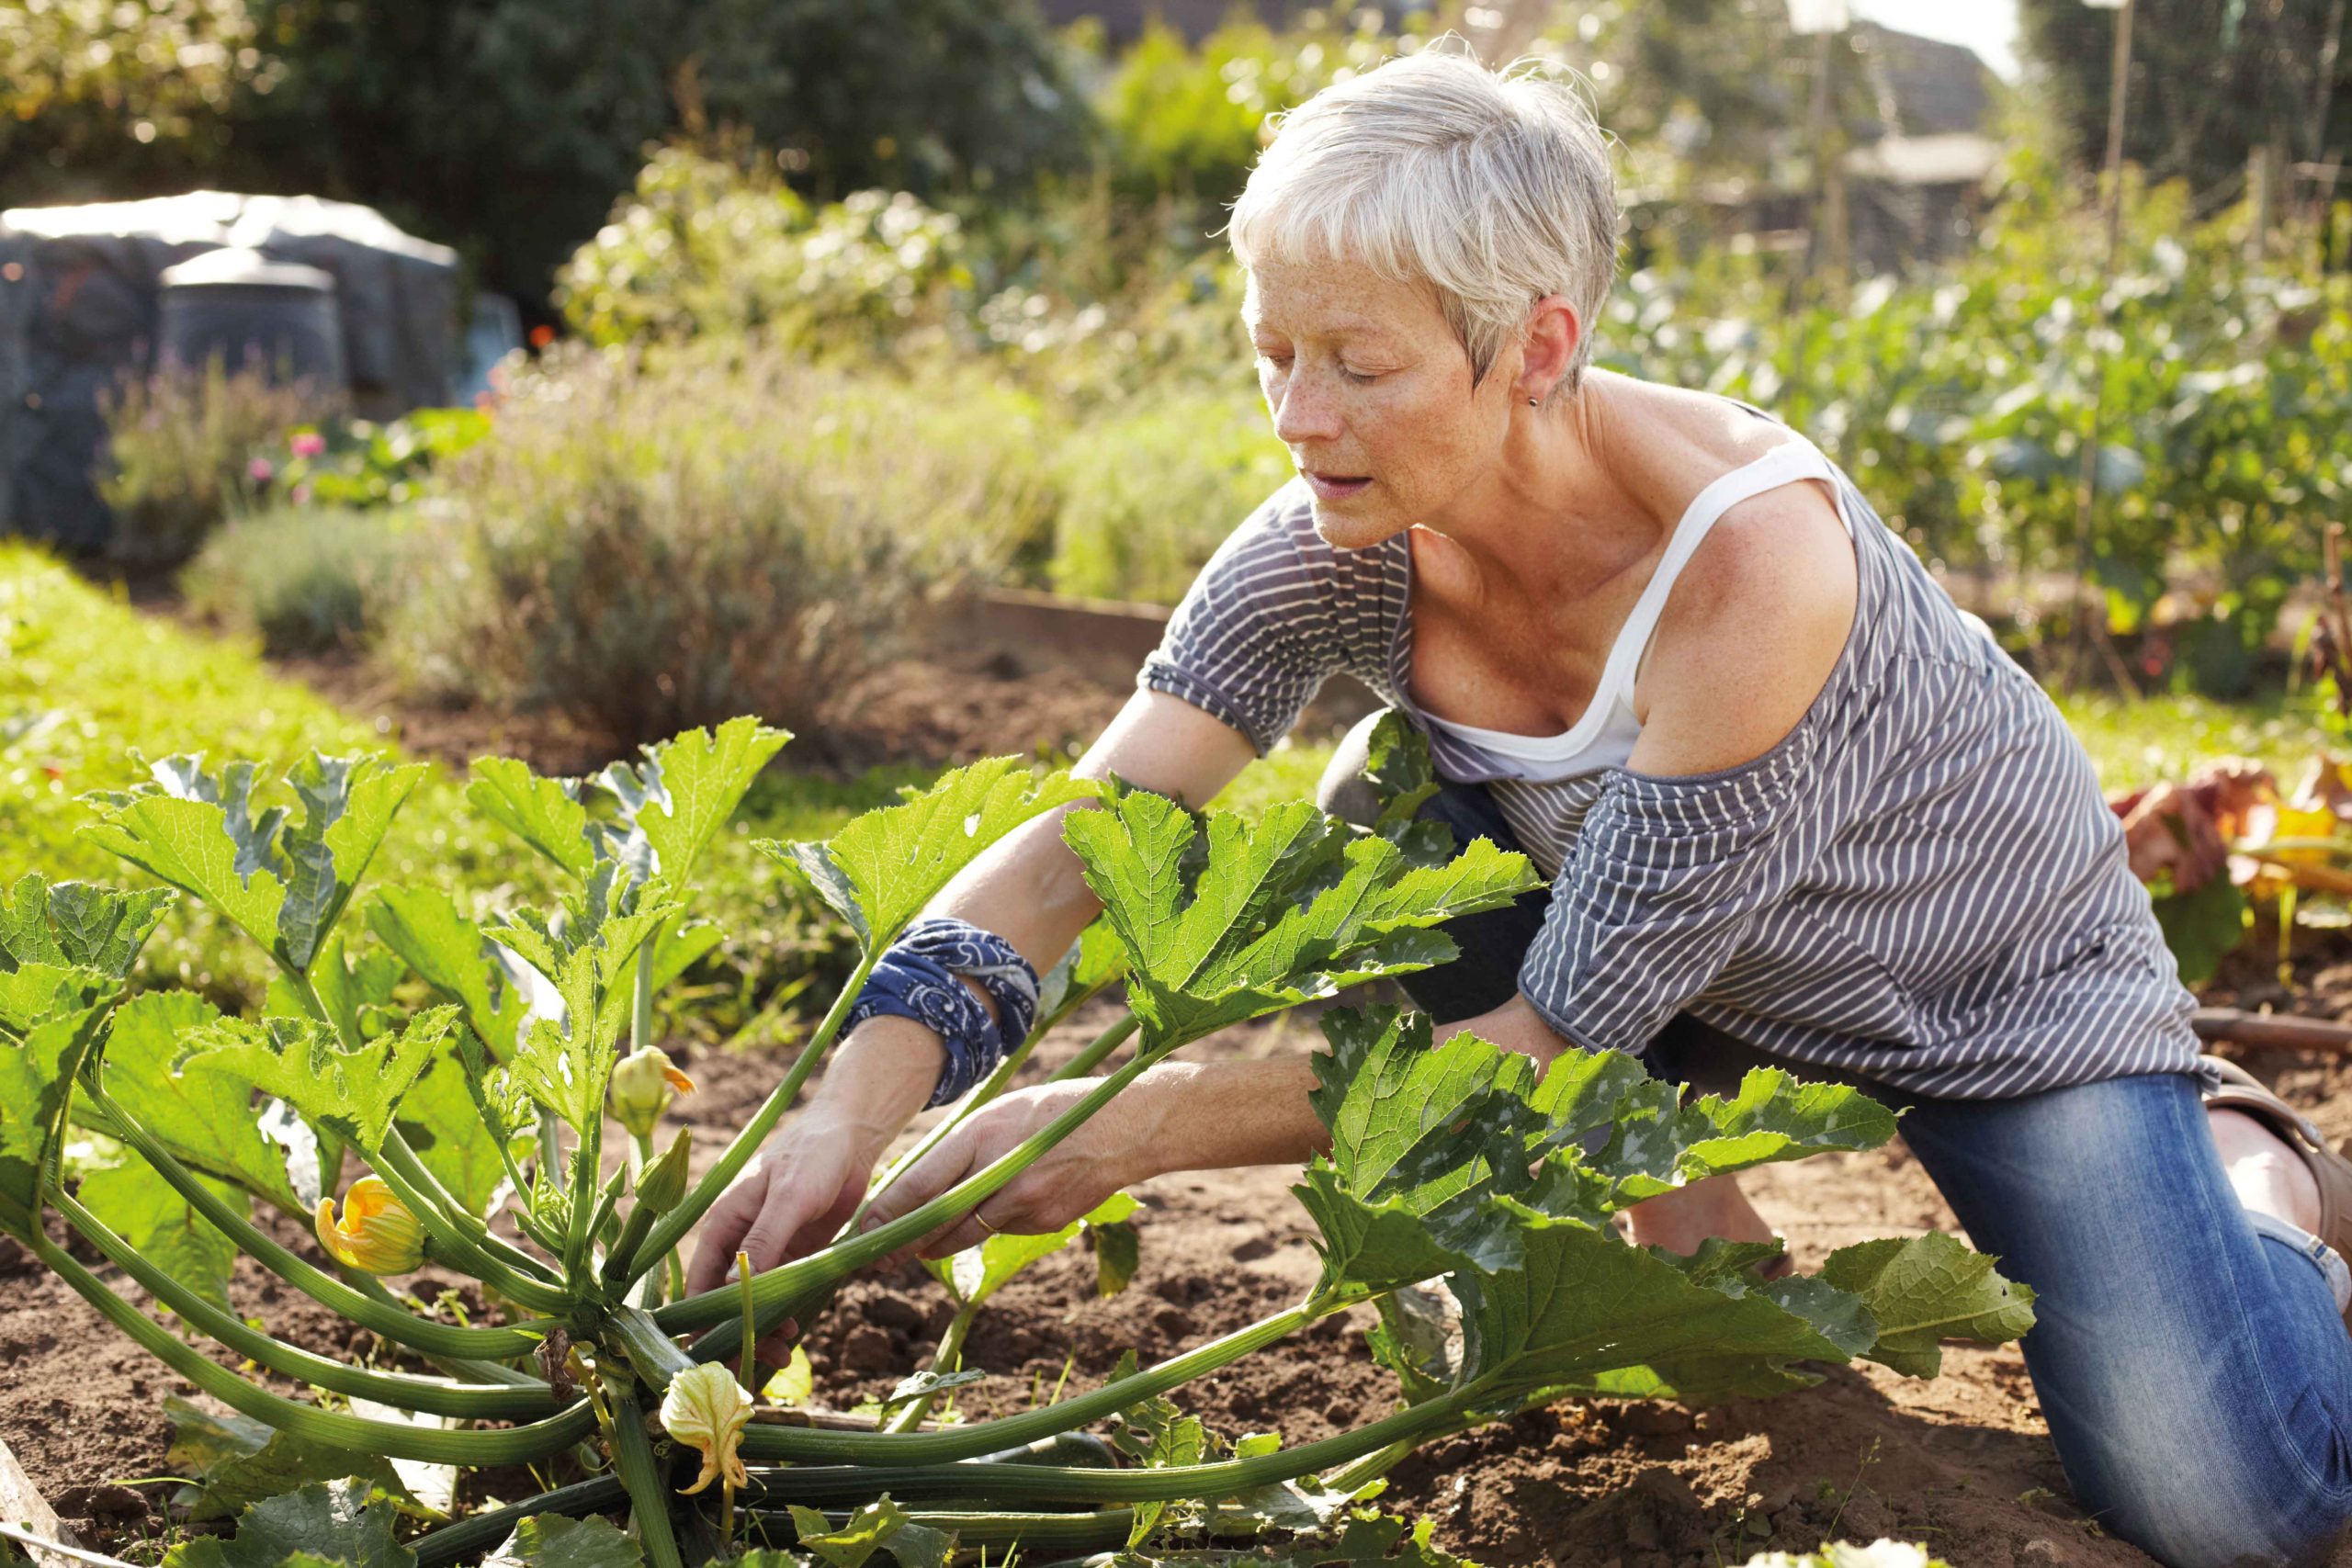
<point>1492,186</point>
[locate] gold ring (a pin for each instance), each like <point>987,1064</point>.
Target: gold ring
<point>983,1220</point>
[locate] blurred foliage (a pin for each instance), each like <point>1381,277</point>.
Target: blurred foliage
<point>703,245</point>
<point>439,111</point>
<point>653,539</point>
<point>183,453</point>
<point>2209,82</point>
<point>304,578</point>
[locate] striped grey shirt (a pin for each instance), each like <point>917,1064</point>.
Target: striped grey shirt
<point>1920,883</point>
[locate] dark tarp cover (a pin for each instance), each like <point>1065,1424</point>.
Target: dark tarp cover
<point>78,308</point>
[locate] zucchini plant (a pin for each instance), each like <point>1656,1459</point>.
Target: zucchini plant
<point>461,1073</point>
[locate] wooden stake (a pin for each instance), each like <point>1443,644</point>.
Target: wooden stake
<point>21,1504</point>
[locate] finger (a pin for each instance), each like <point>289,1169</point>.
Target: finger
<point>966,1232</point>
<point>722,1232</point>
<point>785,1209</point>
<point>942,1169</point>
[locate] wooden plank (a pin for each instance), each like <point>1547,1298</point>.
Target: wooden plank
<point>21,1503</point>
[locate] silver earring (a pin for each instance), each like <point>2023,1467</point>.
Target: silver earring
<point>1530,403</point>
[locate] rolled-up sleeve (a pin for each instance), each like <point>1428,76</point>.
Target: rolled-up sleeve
<point>1256,634</point>
<point>1663,880</point>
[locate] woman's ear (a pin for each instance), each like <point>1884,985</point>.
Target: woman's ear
<point>1553,335</point>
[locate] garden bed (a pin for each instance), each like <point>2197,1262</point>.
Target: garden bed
<point>1962,1463</point>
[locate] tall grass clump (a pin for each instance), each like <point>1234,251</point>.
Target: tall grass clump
<point>304,578</point>
<point>184,454</point>
<point>653,540</point>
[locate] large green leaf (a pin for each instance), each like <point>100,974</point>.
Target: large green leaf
<point>284,884</point>
<point>1927,1288</point>
<point>442,1119</point>
<point>688,787</point>
<point>1587,1311</point>
<point>551,1540</point>
<point>348,803</point>
<point>449,953</point>
<point>544,813</point>
<point>77,924</point>
<point>149,1212</point>
<point>31,993</point>
<point>589,955</point>
<point>36,1081</point>
<point>1274,912</point>
<point>881,1526</point>
<point>880,869</point>
<point>232,1462</point>
<point>334,1522</point>
<point>350,1089</point>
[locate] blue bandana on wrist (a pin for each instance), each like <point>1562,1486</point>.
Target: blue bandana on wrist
<point>917,979</point>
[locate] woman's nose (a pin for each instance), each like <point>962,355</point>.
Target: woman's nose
<point>1303,411</point>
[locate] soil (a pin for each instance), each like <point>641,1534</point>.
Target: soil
<point>912,710</point>
<point>1962,1463</point>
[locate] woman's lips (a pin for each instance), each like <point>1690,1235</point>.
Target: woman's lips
<point>1328,487</point>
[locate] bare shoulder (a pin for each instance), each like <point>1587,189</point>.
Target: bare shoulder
<point>1749,635</point>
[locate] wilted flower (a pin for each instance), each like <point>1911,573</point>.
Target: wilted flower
<point>708,1409</point>
<point>259,470</point>
<point>662,1184</point>
<point>376,1232</point>
<point>309,444</point>
<point>644,1083</point>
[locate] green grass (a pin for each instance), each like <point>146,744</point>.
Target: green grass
<point>2134,744</point>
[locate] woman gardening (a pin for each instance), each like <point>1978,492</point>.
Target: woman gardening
<point>1793,805</point>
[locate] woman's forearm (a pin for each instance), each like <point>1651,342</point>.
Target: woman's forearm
<point>1209,1115</point>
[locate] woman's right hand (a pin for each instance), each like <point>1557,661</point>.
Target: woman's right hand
<point>803,1189</point>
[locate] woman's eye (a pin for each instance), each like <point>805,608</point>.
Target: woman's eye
<point>1361,378</point>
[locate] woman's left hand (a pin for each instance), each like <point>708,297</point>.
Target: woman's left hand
<point>1106,1153</point>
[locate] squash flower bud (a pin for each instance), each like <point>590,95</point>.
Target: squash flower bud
<point>707,1408</point>
<point>663,1183</point>
<point>376,1232</point>
<point>644,1083</point>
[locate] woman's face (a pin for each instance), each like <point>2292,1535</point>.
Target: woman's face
<point>1371,392</point>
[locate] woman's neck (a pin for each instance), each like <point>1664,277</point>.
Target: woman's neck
<point>1562,512</point>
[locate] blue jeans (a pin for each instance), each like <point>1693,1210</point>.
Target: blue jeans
<point>2190,1359</point>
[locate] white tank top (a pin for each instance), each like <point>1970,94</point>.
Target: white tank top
<point>1604,735</point>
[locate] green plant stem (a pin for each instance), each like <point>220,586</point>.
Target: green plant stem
<point>672,1226</point>
<point>648,1500</point>
<point>798,1278</point>
<point>454,1246</point>
<point>986,1090</point>
<point>654,1356</point>
<point>471,1537</point>
<point>945,1359</point>
<point>436,1397</point>
<point>1095,1528</point>
<point>640,1003</point>
<point>397,1147</point>
<point>749,1366</point>
<point>945,1447</point>
<point>1099,1047</point>
<point>394,1323</point>
<point>1055,1483</point>
<point>394,1440</point>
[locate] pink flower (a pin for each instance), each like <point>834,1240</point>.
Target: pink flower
<point>310,443</point>
<point>301,494</point>
<point>259,470</point>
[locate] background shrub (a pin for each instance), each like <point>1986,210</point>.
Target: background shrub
<point>186,449</point>
<point>307,578</point>
<point>1148,494</point>
<point>654,541</point>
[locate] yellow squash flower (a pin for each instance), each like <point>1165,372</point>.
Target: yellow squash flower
<point>708,1409</point>
<point>644,1083</point>
<point>376,1232</point>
